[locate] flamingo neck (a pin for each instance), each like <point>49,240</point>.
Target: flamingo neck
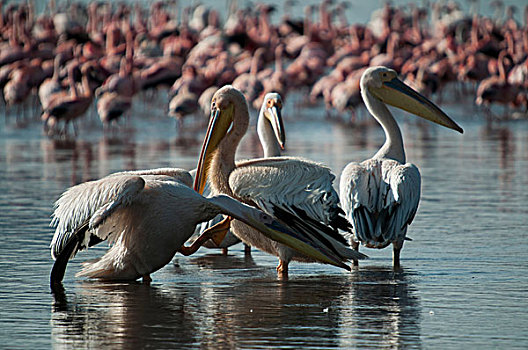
<point>267,137</point>
<point>264,25</point>
<point>323,17</point>
<point>73,85</point>
<point>87,91</point>
<point>307,25</point>
<point>254,63</point>
<point>391,43</point>
<point>393,146</point>
<point>56,68</point>
<point>502,70</point>
<point>278,61</point>
<point>223,162</point>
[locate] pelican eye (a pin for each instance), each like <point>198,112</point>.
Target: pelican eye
<point>270,103</point>
<point>265,218</point>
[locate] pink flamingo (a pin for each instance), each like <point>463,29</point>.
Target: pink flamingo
<point>70,107</point>
<point>249,83</point>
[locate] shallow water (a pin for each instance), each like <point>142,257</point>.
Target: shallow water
<point>464,282</point>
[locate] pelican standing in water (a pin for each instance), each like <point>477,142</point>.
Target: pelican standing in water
<point>295,191</point>
<point>146,216</point>
<point>270,130</point>
<point>380,195</point>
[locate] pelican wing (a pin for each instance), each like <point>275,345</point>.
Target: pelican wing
<point>289,183</point>
<point>299,193</point>
<point>176,174</point>
<point>381,199</point>
<point>83,207</point>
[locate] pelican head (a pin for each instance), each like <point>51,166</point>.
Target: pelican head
<point>383,84</point>
<point>271,110</point>
<point>223,105</point>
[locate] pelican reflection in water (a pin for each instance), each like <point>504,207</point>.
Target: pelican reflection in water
<point>104,314</point>
<point>369,308</point>
<point>383,309</point>
<point>380,195</point>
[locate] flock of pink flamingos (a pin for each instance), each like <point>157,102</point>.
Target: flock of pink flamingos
<point>106,54</point>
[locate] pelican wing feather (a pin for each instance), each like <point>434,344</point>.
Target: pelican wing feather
<point>289,183</point>
<point>300,194</point>
<point>83,207</point>
<point>381,198</point>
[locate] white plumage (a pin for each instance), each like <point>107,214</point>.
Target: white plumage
<point>139,212</point>
<point>296,191</point>
<point>380,198</point>
<point>287,182</point>
<point>270,130</point>
<point>147,216</point>
<point>380,195</point>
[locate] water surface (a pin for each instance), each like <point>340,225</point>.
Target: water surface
<point>464,281</point>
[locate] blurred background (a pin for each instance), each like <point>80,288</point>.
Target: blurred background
<point>90,88</point>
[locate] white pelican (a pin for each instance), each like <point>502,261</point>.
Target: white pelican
<point>270,130</point>
<point>147,216</point>
<point>380,195</point>
<point>295,191</point>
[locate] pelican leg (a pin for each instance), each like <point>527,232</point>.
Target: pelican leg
<point>396,248</point>
<point>247,250</point>
<point>282,269</point>
<point>216,233</point>
<point>355,246</point>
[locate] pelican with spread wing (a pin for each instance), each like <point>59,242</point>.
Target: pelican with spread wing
<point>380,195</point>
<point>295,191</point>
<point>147,216</point>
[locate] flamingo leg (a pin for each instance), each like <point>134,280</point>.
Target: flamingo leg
<point>75,133</point>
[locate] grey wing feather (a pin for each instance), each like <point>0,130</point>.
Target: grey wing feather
<point>297,191</point>
<point>380,198</point>
<point>91,203</point>
<point>287,182</point>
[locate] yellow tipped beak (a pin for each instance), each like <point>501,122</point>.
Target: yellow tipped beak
<point>397,94</point>
<point>219,124</point>
<point>275,118</point>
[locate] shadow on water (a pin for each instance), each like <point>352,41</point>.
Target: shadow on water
<point>218,261</point>
<point>371,307</point>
